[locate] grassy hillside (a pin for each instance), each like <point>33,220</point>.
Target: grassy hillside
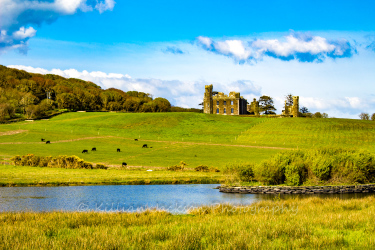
<point>191,137</point>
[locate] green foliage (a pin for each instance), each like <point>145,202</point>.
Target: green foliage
<point>179,167</point>
<point>61,161</point>
<point>242,171</point>
<point>101,166</point>
<point>202,168</point>
<point>34,94</point>
<point>266,105</point>
<point>364,116</point>
<point>327,165</point>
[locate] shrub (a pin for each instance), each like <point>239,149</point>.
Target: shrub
<point>272,171</point>
<point>321,167</point>
<point>213,169</point>
<point>243,171</point>
<point>295,173</point>
<point>179,167</point>
<point>101,166</point>
<point>202,168</point>
<point>61,161</point>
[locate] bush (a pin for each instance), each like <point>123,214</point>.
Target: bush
<point>61,161</point>
<point>202,168</point>
<point>295,173</point>
<point>243,171</point>
<point>179,167</point>
<point>272,171</point>
<point>101,166</point>
<point>373,117</point>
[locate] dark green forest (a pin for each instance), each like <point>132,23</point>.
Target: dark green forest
<point>25,95</point>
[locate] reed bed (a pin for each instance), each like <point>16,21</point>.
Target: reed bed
<point>311,223</point>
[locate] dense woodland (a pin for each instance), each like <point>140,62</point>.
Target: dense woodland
<point>30,96</point>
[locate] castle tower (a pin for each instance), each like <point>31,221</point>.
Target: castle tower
<point>207,100</point>
<point>295,107</point>
<point>255,106</point>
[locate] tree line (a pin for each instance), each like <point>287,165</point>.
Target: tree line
<point>266,106</point>
<point>29,95</point>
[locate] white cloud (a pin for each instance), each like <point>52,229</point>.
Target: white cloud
<point>23,33</point>
<point>17,17</point>
<point>301,47</point>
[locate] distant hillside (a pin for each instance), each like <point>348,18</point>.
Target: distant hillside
<point>29,95</point>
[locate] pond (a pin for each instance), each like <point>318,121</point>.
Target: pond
<point>123,198</point>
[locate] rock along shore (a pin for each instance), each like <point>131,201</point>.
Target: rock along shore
<point>367,188</point>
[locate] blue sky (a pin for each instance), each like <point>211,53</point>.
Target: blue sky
<point>323,51</point>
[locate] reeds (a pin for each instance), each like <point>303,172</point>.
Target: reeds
<point>311,223</point>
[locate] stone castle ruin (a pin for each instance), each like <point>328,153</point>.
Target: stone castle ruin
<point>234,104</point>
<point>218,103</point>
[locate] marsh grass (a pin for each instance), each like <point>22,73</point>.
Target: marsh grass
<point>311,223</point>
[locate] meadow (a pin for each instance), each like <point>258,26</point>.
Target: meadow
<point>195,138</point>
<point>310,223</point>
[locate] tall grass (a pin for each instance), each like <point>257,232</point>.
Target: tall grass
<point>311,223</point>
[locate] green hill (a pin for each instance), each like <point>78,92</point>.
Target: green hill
<point>191,137</point>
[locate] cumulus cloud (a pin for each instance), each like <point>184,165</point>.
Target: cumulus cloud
<point>340,107</point>
<point>19,17</point>
<point>181,93</point>
<point>173,50</point>
<point>301,47</point>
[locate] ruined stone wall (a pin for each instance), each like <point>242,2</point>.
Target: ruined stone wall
<point>207,100</point>
<point>253,108</point>
<point>223,105</point>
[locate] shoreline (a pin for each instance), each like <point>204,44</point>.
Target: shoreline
<point>339,189</point>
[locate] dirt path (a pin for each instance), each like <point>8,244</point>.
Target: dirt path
<point>142,140</point>
<point>13,132</point>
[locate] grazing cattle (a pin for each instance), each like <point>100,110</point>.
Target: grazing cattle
<point>144,146</point>
<point>42,139</point>
<point>124,164</point>
<point>135,139</point>
<point>85,151</point>
<point>93,149</point>
<point>118,150</point>
<point>48,142</point>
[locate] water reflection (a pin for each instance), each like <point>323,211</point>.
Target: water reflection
<point>174,198</point>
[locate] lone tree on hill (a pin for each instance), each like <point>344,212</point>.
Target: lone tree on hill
<point>304,110</point>
<point>364,116</point>
<point>373,117</point>
<point>289,100</point>
<point>266,105</point>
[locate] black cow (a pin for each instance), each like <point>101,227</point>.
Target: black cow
<point>42,139</point>
<point>48,142</point>
<point>93,149</point>
<point>135,139</point>
<point>85,151</point>
<point>144,146</point>
<point>118,150</point>
<point>124,164</point>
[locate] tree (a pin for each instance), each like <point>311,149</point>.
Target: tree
<point>364,116</point>
<point>325,115</point>
<point>289,100</point>
<point>318,115</point>
<point>304,110</point>
<point>266,105</point>
<point>373,117</point>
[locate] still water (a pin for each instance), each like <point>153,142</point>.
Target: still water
<point>174,198</point>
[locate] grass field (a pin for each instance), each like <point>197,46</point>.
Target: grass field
<point>36,176</point>
<point>197,139</point>
<point>311,223</point>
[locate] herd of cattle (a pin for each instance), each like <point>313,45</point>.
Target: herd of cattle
<point>94,149</point>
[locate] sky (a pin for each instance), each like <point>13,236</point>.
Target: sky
<point>321,51</point>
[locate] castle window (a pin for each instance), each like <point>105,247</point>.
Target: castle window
<point>232,110</point>
<point>231,103</point>
<point>225,110</point>
<point>217,103</point>
<point>225,102</point>
<point>217,111</point>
